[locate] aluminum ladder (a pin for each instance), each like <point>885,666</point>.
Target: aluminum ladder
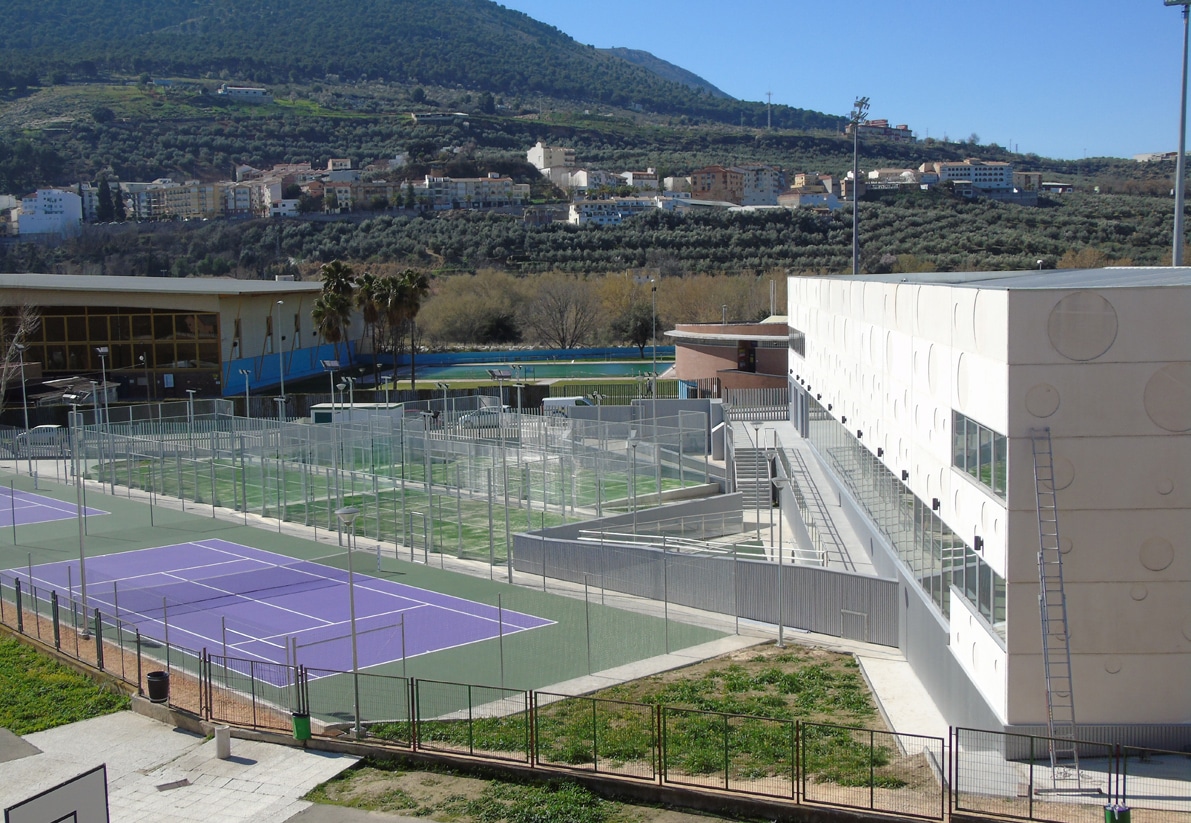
<point>1052,603</point>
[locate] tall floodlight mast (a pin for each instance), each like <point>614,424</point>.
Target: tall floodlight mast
<point>1176,256</point>
<point>858,115</point>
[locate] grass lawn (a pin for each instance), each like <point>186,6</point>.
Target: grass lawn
<point>39,693</point>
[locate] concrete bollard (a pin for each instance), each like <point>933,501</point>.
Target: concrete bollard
<point>223,742</point>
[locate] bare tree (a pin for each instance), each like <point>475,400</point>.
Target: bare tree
<point>18,323</point>
<point>564,311</point>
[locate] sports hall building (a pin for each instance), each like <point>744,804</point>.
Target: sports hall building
<point>162,336</point>
<point>979,421</point>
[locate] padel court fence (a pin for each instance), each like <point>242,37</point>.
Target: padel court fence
<point>441,486</point>
<point>992,774</point>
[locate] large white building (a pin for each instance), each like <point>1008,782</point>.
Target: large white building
<point>50,211</point>
<point>926,395</point>
<point>544,157</point>
<point>992,175</point>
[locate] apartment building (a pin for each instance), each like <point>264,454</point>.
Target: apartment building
<point>472,192</point>
<point>988,175</point>
<point>50,212</point>
<point>544,157</point>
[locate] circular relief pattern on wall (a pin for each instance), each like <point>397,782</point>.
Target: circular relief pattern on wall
<point>1164,485</point>
<point>933,368</point>
<point>1167,397</point>
<point>1064,473</point>
<point>1042,400</point>
<point>1082,326</point>
<point>1139,591</point>
<point>1156,554</point>
<point>1187,628</point>
<point>961,379</point>
<point>1112,665</point>
<point>1065,545</point>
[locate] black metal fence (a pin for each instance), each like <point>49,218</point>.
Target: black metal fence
<point>981,772</point>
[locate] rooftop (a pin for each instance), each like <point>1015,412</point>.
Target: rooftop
<point>161,285</point>
<point>1106,278</point>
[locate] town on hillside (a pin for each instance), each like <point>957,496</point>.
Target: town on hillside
<point>596,196</point>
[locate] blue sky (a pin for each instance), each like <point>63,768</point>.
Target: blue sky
<point>1060,78</point>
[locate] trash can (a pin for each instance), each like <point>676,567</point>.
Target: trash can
<point>1115,813</point>
<point>159,686</point>
<point>301,726</point>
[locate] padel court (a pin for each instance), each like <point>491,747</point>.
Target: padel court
<point>214,594</point>
<point>26,508</point>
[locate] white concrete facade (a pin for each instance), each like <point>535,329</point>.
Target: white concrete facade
<point>1102,358</point>
<point>50,211</point>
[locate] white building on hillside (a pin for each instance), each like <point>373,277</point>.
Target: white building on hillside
<point>982,174</point>
<point>542,156</point>
<point>50,211</point>
<point>927,395</point>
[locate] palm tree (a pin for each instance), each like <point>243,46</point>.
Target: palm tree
<point>332,310</point>
<point>366,297</point>
<point>332,316</point>
<point>414,287</point>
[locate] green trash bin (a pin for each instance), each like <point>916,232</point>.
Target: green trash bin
<point>1114,813</point>
<point>301,726</point>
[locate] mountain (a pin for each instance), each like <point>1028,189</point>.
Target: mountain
<point>667,70</point>
<point>475,44</point>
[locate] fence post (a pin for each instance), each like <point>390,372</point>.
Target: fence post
<point>727,756</point>
<point>54,617</point>
<point>99,639</point>
<point>140,692</point>
<point>20,612</point>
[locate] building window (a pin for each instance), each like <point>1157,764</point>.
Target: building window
<point>797,342</point>
<point>981,452</point>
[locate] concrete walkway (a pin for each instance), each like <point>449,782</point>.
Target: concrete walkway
<point>157,773</point>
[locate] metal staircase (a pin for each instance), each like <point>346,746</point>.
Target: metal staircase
<point>750,467</point>
<point>1052,602</point>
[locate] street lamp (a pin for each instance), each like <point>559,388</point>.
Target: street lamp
<point>247,408</point>
<point>859,112</point>
<point>1176,256</point>
<point>20,347</point>
<point>347,518</point>
<point>444,387</point>
<point>280,358</point>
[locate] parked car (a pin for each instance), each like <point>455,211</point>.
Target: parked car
<point>48,441</point>
<point>489,417</point>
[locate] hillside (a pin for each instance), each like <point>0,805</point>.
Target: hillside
<point>474,44</point>
<point>667,70</point>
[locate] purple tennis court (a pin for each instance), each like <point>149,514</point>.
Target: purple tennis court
<point>212,592</point>
<point>27,508</point>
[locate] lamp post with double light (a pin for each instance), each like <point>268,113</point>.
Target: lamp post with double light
<point>859,112</point>
<point>247,375</point>
<point>280,360</point>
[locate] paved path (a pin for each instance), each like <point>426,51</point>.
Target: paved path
<point>261,782</point>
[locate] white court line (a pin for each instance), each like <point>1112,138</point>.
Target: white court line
<point>243,597</point>
<point>347,623</point>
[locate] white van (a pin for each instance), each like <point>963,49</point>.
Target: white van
<point>559,405</point>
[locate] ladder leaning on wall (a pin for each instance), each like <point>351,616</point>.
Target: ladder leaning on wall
<point>1052,602</point>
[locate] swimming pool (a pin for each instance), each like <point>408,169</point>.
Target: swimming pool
<point>546,370</point>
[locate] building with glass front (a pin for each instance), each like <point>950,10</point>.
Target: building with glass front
<point>925,395</point>
<point>157,337</point>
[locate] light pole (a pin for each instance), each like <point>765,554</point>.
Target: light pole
<point>190,416</point>
<point>247,408</point>
<point>144,361</point>
<point>95,412</point>
<point>102,351</point>
<point>347,517</point>
<point>1176,256</point>
<point>724,315</point>
<point>859,111</point>
<point>331,366</point>
<point>780,483</point>
<point>20,347</point>
<point>444,387</point>
<point>280,359</point>
<point>75,425</point>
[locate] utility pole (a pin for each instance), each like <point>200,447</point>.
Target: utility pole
<point>1176,256</point>
<point>858,115</point>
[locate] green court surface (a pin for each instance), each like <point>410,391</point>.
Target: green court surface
<point>589,634</point>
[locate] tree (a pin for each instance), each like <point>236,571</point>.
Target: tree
<point>564,312</point>
<point>119,213</point>
<point>104,210</point>
<point>18,325</point>
<point>413,287</point>
<point>332,310</point>
<point>367,301</point>
<point>636,326</point>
